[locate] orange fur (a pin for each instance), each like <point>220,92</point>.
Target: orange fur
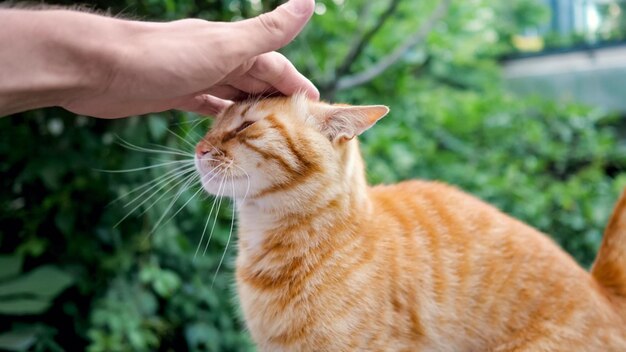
<point>327,263</point>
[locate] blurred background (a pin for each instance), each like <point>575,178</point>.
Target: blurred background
<point>520,102</point>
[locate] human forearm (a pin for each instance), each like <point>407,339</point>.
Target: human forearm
<point>107,67</point>
<point>49,58</point>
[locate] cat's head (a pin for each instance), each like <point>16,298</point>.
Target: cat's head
<point>279,145</point>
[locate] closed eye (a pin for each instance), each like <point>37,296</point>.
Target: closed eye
<point>243,126</point>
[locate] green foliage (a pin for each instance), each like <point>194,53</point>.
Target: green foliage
<point>30,337</point>
<point>136,289</point>
<point>39,285</point>
<point>555,166</point>
<point>28,294</point>
<point>17,340</point>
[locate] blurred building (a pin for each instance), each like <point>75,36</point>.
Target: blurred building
<point>580,55</point>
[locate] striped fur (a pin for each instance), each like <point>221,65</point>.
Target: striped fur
<point>327,263</point>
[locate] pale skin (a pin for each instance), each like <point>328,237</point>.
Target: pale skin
<point>109,68</point>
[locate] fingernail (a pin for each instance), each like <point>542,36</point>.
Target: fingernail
<point>297,7</point>
<point>314,93</point>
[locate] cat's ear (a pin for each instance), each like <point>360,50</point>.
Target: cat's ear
<point>341,123</point>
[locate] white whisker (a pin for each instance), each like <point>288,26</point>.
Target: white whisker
<point>192,128</point>
<point>152,195</point>
<point>248,185</point>
<point>158,151</point>
<point>181,138</point>
<point>131,146</point>
<point>172,149</point>
<point>230,233</point>
<point>191,198</point>
<point>188,121</point>
<point>215,200</point>
<point>155,180</point>
<point>185,181</point>
<point>162,182</point>
<point>208,219</point>
<point>179,193</point>
<point>219,204</point>
<point>147,167</point>
<point>182,189</point>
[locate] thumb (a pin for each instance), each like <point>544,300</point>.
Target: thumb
<point>273,30</point>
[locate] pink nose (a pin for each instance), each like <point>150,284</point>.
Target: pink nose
<point>202,149</point>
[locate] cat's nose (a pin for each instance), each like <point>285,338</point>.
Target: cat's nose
<point>202,149</point>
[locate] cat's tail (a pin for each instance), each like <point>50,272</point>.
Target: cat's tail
<point>609,269</point>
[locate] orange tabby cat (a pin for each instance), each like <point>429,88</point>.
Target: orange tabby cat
<point>327,263</point>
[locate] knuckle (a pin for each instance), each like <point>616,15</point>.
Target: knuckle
<point>250,64</point>
<point>262,64</point>
<point>269,63</point>
<point>271,24</point>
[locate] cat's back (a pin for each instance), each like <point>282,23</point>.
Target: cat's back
<point>436,209</point>
<point>431,207</point>
<point>438,197</point>
<point>479,275</point>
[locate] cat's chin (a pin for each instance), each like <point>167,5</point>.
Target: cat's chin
<point>232,187</point>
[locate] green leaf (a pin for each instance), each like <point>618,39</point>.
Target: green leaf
<point>20,340</point>
<point>65,221</point>
<point>33,246</point>
<point>10,265</point>
<point>157,125</point>
<point>23,306</point>
<point>46,281</point>
<point>166,283</point>
<point>198,334</point>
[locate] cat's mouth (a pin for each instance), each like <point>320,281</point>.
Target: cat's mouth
<point>205,166</point>
<point>223,182</point>
<point>216,174</point>
<point>218,170</point>
<point>219,176</point>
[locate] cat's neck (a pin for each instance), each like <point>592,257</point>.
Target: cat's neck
<point>310,213</point>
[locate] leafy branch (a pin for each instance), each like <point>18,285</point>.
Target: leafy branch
<point>341,81</point>
<point>361,42</point>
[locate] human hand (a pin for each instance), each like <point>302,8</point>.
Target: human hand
<point>129,67</point>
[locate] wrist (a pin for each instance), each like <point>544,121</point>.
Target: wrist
<point>56,57</point>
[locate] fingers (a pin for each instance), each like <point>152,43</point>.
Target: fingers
<point>205,104</point>
<point>249,85</point>
<point>264,74</point>
<point>256,68</point>
<point>273,30</point>
<point>275,70</point>
<point>225,91</point>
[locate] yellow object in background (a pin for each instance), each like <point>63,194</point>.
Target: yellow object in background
<point>528,43</point>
